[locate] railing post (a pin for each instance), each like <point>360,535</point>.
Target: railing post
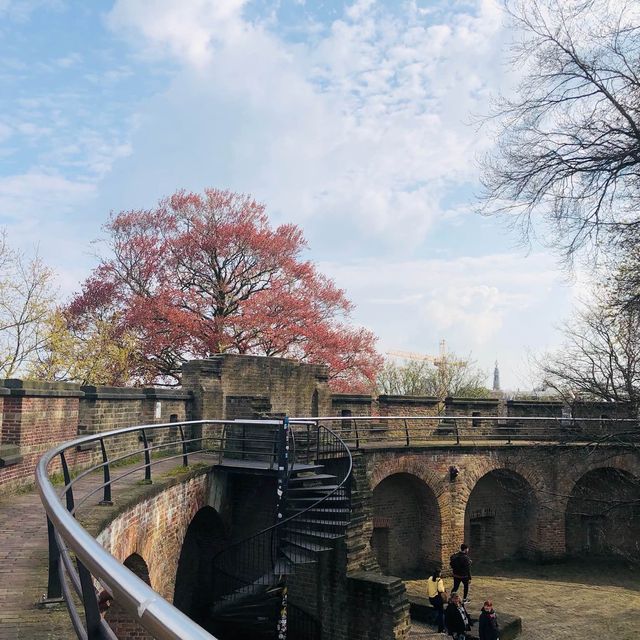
<point>68,492</point>
<point>355,424</point>
<point>455,426</point>
<point>106,496</point>
<point>185,457</point>
<point>90,602</point>
<point>54,585</point>
<point>406,430</point>
<point>147,458</point>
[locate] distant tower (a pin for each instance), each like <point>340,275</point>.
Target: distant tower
<point>496,378</point>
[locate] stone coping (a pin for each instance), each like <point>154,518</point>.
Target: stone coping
<point>93,392</point>
<point>353,398</point>
<point>510,625</point>
<point>394,399</point>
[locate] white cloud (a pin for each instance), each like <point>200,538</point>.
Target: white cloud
<point>492,305</point>
<point>365,121</point>
<point>25,196</point>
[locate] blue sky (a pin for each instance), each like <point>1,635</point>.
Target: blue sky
<point>352,119</point>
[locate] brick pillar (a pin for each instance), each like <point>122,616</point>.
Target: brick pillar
<point>203,379</point>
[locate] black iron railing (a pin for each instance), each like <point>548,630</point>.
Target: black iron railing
<point>257,561</point>
<point>382,431</point>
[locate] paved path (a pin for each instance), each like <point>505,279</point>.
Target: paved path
<point>24,558</point>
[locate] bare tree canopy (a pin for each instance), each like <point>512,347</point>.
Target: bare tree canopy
<point>26,302</point>
<point>600,358</point>
<point>450,377</point>
<point>568,147</point>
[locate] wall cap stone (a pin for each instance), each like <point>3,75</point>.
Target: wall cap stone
<point>467,401</point>
<point>93,392</point>
<point>337,398</point>
<point>394,399</point>
<point>39,388</point>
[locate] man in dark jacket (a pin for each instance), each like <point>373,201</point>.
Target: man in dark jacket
<point>461,567</point>
<point>456,618</point>
<point>488,628</point>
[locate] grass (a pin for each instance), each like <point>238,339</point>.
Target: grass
<point>574,600</point>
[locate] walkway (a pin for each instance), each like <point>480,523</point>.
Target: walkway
<point>24,556</point>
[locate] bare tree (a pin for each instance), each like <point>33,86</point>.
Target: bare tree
<point>26,301</point>
<point>449,377</point>
<point>600,358</point>
<point>568,149</point>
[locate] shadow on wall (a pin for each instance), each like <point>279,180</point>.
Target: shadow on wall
<point>603,514</point>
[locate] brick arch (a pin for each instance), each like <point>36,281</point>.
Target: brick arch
<point>155,530</point>
<point>472,473</point>
<point>407,524</point>
<point>627,463</point>
<point>413,465</point>
<point>599,516</point>
<point>501,515</point>
<point>205,537</point>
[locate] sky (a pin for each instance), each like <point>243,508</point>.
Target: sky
<point>358,121</point>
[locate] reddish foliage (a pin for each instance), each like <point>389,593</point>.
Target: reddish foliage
<point>206,274</point>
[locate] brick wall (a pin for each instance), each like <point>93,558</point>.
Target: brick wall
<point>524,489</point>
<point>281,385</point>
<point>36,416</point>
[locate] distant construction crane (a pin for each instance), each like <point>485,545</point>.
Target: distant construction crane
<point>440,361</point>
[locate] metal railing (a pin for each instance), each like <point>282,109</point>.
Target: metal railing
<point>142,447</point>
<point>78,563</point>
<point>383,431</point>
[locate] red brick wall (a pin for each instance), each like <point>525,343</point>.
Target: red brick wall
<point>37,416</point>
<point>546,476</point>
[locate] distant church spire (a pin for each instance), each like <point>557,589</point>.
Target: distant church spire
<point>496,378</point>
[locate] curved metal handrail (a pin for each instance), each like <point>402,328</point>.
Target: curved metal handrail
<point>146,606</point>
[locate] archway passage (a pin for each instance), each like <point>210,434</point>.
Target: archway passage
<point>603,514</point>
<point>500,517</point>
<point>406,519</point>
<point>121,623</point>
<point>205,537</point>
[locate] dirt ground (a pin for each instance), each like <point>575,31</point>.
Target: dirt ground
<point>568,601</point>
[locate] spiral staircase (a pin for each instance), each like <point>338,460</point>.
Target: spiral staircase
<point>312,511</point>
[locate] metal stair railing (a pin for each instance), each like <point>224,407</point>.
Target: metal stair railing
<point>255,561</point>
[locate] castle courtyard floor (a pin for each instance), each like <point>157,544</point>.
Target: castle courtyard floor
<point>578,600</point>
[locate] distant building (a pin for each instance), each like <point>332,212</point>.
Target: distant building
<point>496,378</point>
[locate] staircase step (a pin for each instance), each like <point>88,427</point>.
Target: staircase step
<point>320,511</point>
<point>309,545</point>
<point>324,523</point>
<point>316,477</point>
<point>298,555</point>
<point>326,535</point>
<point>324,488</point>
<point>311,499</point>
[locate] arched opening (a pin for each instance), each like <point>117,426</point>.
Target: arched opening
<point>501,516</point>
<point>406,526</point>
<point>122,624</point>
<point>137,565</point>
<point>603,514</point>
<point>205,537</point>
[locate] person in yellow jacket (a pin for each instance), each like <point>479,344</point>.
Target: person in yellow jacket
<point>437,597</point>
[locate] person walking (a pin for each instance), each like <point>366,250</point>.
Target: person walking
<point>461,566</point>
<point>488,622</point>
<point>456,618</point>
<point>437,597</point>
